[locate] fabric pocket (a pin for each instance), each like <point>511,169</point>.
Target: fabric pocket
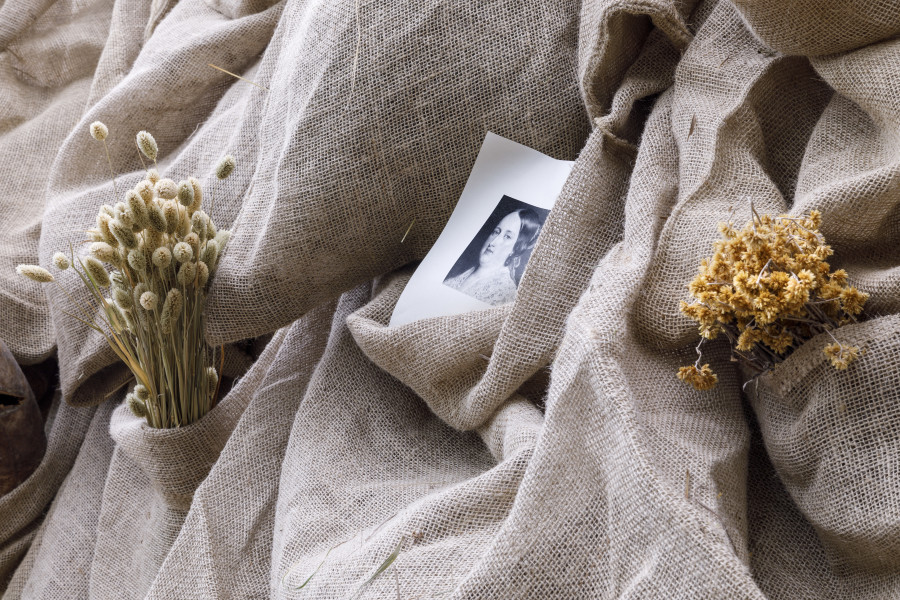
<point>834,439</point>
<point>151,482</point>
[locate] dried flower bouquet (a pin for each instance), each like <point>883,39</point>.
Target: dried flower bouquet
<point>769,289</point>
<point>163,249</point>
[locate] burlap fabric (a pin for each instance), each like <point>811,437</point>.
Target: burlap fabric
<point>21,510</point>
<point>58,562</point>
<point>359,442</point>
<point>150,486</point>
<point>43,89</point>
<point>820,428</point>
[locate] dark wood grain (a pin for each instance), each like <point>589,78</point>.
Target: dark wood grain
<point>22,439</point>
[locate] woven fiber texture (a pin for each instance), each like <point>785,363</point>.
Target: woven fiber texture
<point>821,429</point>
<point>43,89</point>
<point>58,562</point>
<point>540,450</point>
<point>21,510</point>
<point>820,27</point>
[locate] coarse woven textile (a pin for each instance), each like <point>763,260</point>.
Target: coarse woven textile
<point>820,27</point>
<point>351,443</point>
<point>339,146</point>
<point>48,53</point>
<point>58,561</point>
<point>21,510</point>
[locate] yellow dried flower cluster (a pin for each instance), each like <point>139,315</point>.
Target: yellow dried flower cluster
<point>768,288</point>
<point>162,249</point>
<point>701,378</point>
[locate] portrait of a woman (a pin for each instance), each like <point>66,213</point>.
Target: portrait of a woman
<point>490,271</point>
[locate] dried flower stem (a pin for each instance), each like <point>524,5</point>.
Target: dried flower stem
<point>793,297</point>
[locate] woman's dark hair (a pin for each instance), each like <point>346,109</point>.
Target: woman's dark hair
<point>529,229</point>
<point>528,232</point>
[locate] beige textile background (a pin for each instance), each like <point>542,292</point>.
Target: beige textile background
<point>542,449</point>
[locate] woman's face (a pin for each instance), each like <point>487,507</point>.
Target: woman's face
<point>499,245</point>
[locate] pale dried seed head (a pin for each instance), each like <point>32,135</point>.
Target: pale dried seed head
<point>171,212</point>
<point>103,222</point>
<point>153,176</point>
<point>182,252</point>
<point>170,311</point>
<point>137,260</point>
<point>198,224</point>
<point>152,239</point>
<point>187,273</point>
<point>165,318</point>
<point>211,255</point>
<point>194,241</point>
<point>123,233</point>
<point>198,195</point>
<point>106,209</point>
<point>162,257</point>
<point>222,238</point>
<point>95,269</point>
<point>166,189</point>
<point>118,279</point>
<point>35,273</point>
<point>136,406</point>
<point>145,190</point>
<point>99,131</point>
<point>174,296</point>
<point>61,261</point>
<point>138,209</point>
<point>185,193</point>
<point>202,274</point>
<point>225,166</point>
<point>130,324</point>
<point>212,379</point>
<point>122,298</point>
<point>184,224</point>
<point>149,300</point>
<point>118,209</point>
<point>128,219</point>
<point>139,290</point>
<point>104,252</point>
<point>156,217</point>
<point>147,145</point>
<point>142,392</point>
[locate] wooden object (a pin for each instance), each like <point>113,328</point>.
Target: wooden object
<point>22,439</point>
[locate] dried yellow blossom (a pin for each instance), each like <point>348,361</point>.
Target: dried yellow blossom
<point>769,288</point>
<point>841,356</point>
<point>702,378</point>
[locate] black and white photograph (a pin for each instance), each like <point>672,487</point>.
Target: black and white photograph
<point>491,266</point>
<point>478,261</point>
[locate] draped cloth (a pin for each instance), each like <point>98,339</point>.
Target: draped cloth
<point>538,449</point>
